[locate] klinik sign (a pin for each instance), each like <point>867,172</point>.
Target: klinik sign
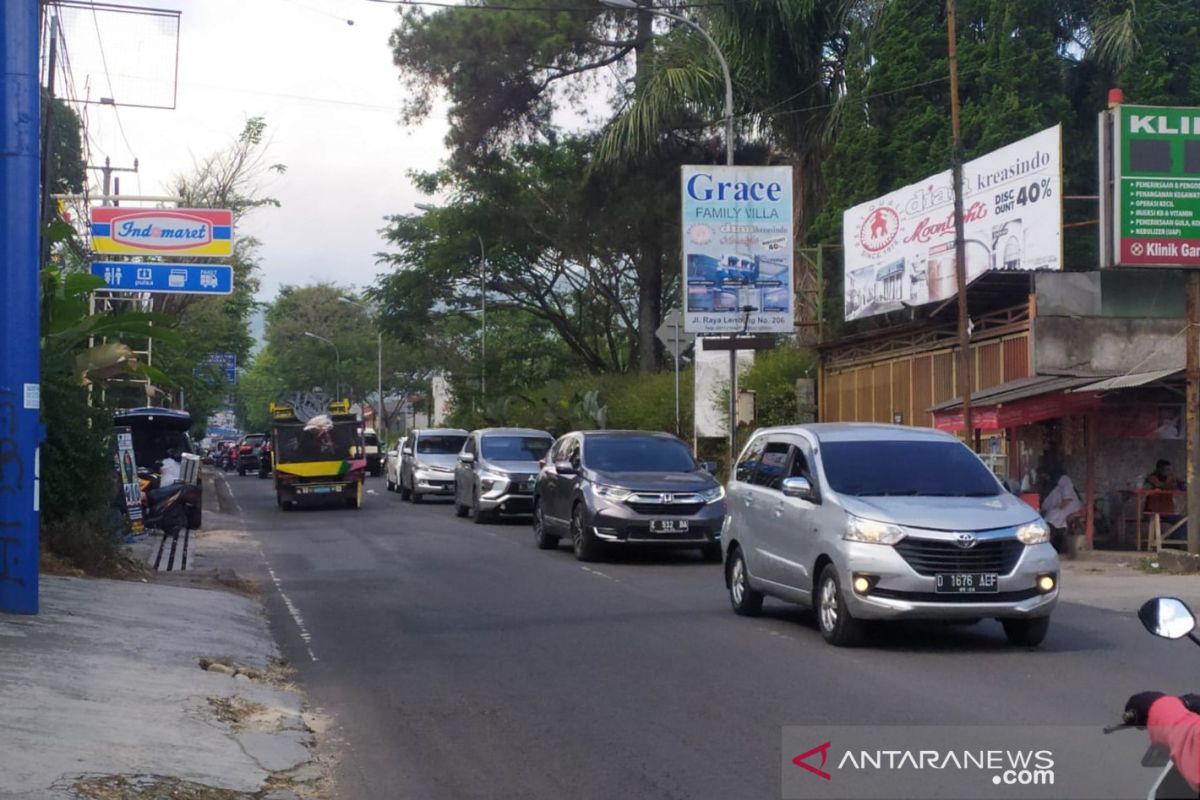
<point>900,247</point>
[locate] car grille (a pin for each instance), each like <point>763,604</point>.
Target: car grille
<point>931,556</point>
<point>667,509</point>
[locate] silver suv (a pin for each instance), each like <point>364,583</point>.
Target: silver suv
<point>427,459</point>
<point>880,522</point>
<point>497,470</point>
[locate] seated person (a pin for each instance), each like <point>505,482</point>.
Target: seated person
<point>1163,479</point>
<point>169,474</point>
<point>1059,506</point>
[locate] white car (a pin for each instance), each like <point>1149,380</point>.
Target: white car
<point>391,466</point>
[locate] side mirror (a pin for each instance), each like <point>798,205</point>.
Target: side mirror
<point>710,467</point>
<point>1167,617</point>
<point>407,451</point>
<point>467,458</point>
<point>799,487</point>
<point>565,468</point>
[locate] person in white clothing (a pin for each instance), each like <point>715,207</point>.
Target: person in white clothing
<point>169,474</point>
<point>1060,505</point>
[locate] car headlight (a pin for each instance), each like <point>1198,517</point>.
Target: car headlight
<point>491,480</point>
<point>1034,533</point>
<point>871,532</point>
<point>713,495</point>
<point>614,493</point>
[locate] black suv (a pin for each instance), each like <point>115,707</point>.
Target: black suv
<point>626,487</point>
<point>248,452</point>
<point>157,431</point>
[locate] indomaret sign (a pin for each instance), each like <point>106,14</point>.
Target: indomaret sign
<point>1155,204</point>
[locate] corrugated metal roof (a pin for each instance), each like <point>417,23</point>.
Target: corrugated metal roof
<point>1019,389</point>
<point>1128,381</point>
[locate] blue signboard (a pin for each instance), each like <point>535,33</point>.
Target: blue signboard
<point>139,276</point>
<point>226,362</point>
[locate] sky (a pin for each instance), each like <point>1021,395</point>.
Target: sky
<point>329,93</point>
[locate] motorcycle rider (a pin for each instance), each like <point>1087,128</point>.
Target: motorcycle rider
<point>1174,723</point>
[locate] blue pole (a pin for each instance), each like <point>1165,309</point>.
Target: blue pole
<point>20,386</point>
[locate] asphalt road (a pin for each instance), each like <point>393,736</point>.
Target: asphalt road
<point>461,662</point>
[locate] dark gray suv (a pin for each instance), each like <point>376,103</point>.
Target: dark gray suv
<point>626,488</point>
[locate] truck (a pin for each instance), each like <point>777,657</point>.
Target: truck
<point>317,458</point>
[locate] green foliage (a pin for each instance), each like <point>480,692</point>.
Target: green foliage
<point>773,378</point>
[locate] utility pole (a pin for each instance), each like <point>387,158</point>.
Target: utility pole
<point>20,367</point>
<point>960,245</point>
<point>49,179</point>
<point>1192,410</point>
<point>106,170</point>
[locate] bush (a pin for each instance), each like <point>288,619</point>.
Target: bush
<point>773,377</point>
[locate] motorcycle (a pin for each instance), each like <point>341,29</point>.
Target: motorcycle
<point>1169,618</point>
<point>163,507</point>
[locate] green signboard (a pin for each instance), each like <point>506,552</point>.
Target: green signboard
<point>1157,186</point>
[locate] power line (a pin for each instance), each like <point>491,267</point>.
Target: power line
<point>108,79</point>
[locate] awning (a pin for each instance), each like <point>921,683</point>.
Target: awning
<point>1020,402</point>
<point>1129,381</point>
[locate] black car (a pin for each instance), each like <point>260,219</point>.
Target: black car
<point>248,452</point>
<point>157,431</point>
<point>626,488</point>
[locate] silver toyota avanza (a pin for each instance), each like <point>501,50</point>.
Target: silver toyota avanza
<point>880,522</point>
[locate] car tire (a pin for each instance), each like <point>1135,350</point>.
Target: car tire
<point>837,626</point>
<point>404,492</point>
<point>414,496</point>
<point>745,600</point>
<point>241,472</point>
<point>1026,632</point>
<point>459,509</point>
<point>478,515</point>
<point>583,541</point>
<point>391,487</point>
<point>711,553</point>
<point>541,537</point>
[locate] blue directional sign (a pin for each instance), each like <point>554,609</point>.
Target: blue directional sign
<point>139,276</point>
<point>226,362</point>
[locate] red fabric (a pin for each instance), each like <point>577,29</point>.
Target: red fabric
<point>1161,503</point>
<point>1177,729</point>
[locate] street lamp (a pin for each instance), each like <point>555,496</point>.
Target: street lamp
<point>337,363</point>
<point>379,414</point>
<point>630,5</point>
<point>482,306</point>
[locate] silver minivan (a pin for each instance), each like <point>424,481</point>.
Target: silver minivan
<point>882,522</point>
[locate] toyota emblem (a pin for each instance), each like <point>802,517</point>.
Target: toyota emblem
<point>965,540</point>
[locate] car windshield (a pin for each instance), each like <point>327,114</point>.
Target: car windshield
<point>254,440</point>
<point>915,469</point>
<point>637,454</point>
<point>515,448</point>
<point>440,445</point>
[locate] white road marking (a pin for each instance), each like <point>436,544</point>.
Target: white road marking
<point>601,574</point>
<point>295,612</point>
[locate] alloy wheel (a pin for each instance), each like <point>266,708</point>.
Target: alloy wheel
<point>737,583</point>
<point>829,604</point>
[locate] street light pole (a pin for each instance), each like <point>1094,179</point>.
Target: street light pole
<point>631,5</point>
<point>482,322</point>
<point>379,414</point>
<point>337,355</point>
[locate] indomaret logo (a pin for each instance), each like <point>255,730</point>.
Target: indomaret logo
<point>879,229</point>
<point>162,230</point>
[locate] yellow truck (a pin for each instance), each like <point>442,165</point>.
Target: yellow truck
<point>318,460</point>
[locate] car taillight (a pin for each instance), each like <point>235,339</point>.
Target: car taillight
<point>246,448</point>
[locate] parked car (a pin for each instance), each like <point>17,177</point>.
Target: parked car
<point>879,522</point>
<point>626,488</point>
<point>391,465</point>
<point>373,452</point>
<point>497,471</point>
<point>427,459</point>
<point>155,432</point>
<point>246,454</point>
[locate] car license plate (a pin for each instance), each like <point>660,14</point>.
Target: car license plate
<point>668,526</point>
<point>967,583</point>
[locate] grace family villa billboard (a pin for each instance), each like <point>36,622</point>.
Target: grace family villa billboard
<point>737,249</point>
<point>899,248</point>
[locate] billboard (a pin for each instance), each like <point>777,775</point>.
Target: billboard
<point>737,249</point>
<point>900,247</point>
<point>1156,186</point>
<point>203,232</point>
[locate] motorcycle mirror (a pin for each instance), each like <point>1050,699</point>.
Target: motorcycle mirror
<point>1168,617</point>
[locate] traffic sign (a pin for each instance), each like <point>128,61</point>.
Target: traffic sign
<point>672,335</point>
<point>226,362</point>
<point>140,276</point>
